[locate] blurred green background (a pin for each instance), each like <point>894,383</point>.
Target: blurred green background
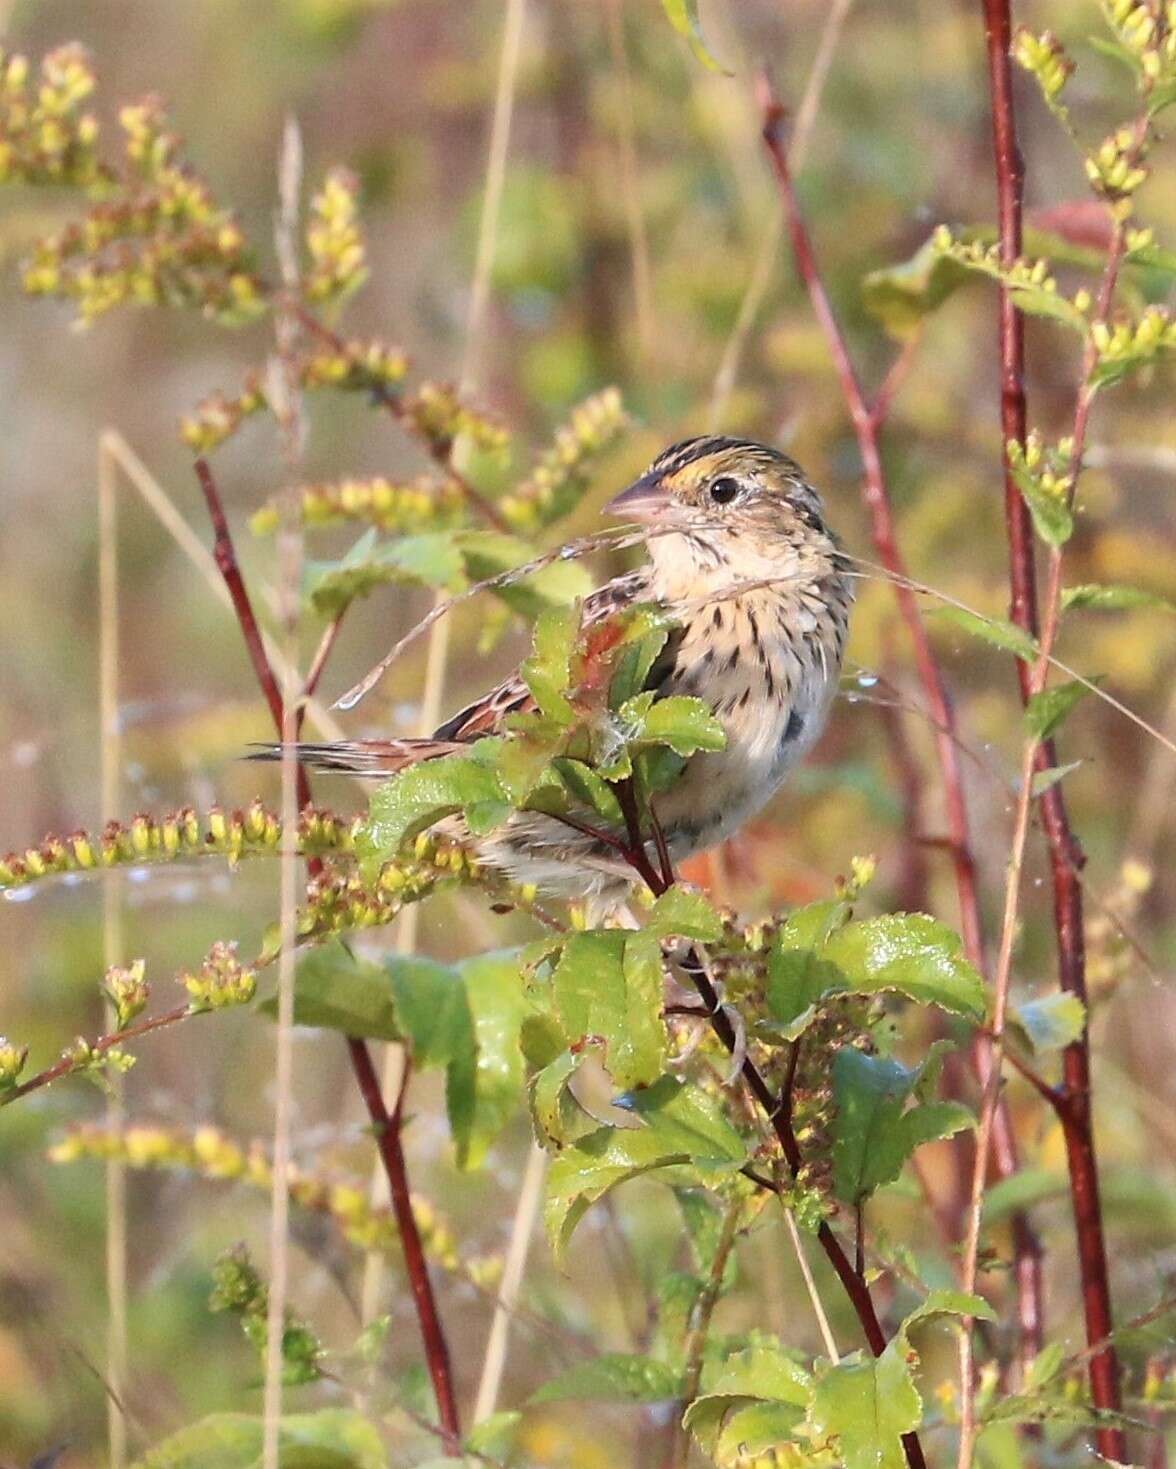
<point>403,93</point>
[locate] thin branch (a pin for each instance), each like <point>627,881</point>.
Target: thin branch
<point>387,1131</point>
<point>696,1334</point>
<point>391,1151</point>
<point>810,1285</point>
<point>112,945</point>
<point>1066,857</point>
<point>867,423</point>
<point>69,1063</point>
<point>527,1208</point>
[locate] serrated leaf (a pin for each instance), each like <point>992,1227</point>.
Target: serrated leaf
<point>1001,634</point>
<point>688,1120</point>
<point>950,1303</point>
<point>558,1117</point>
<point>765,1377</point>
<point>683,16</point>
<point>646,630</point>
<point>682,1130</point>
<point>798,974</point>
<point>547,672</point>
<point>1111,598</point>
<point>488,553</point>
<point>432,558</point>
<point>336,991</point>
<point>332,1438</point>
<point>422,794</point>
<point>588,1169</point>
<point>683,723</point>
<point>1044,780</point>
<point>614,1377</point>
<point>868,1404</point>
<point>913,954</point>
<point>1048,709</point>
<point>874,1131</point>
<point>684,913</point>
<point>609,984</point>
<point>1049,1023</point>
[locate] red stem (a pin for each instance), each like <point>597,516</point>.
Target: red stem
<point>1065,854</point>
<point>103,1044</point>
<point>867,424</point>
<point>777,1110</point>
<point>387,1129</point>
<point>388,1140</point>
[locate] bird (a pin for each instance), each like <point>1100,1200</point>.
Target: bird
<point>741,558</point>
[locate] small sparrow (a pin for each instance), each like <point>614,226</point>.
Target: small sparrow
<point>741,558</point>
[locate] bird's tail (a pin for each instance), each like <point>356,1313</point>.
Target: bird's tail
<point>366,759</point>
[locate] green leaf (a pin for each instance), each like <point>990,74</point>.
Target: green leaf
<point>1001,634</point>
<point>687,1120</point>
<point>950,1303</point>
<point>332,1438</point>
<point>1042,780</point>
<point>868,1404</point>
<point>1051,515</point>
<point>685,724</point>
<point>336,991</point>
<point>763,1390</point>
<point>421,795</point>
<point>614,1377</point>
<point>1111,598</point>
<point>911,953</point>
<point>682,1130</point>
<point>498,1005</point>
<point>432,558</point>
<point>488,553</point>
<point>609,984</point>
<point>547,672</point>
<point>683,16</point>
<point>900,296</point>
<point>874,1132</point>
<point>646,631</point>
<point>682,912</point>
<point>558,1117</point>
<point>1050,1023</point>
<point>798,975</point>
<point>1049,709</point>
<point>495,1436</point>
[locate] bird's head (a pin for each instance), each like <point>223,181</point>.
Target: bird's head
<point>725,506</point>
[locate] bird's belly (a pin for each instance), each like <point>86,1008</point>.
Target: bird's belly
<point>717,793</point>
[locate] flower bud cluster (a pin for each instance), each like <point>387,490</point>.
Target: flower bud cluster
<point>1044,58</point>
<point>213,1155</point>
<point>232,834</point>
<point>1126,345</point>
<point>127,990</point>
<point>366,366</point>
<point>403,508</point>
<point>239,1289</point>
<point>156,237</point>
<point>221,981</point>
<point>218,417</point>
<point>561,475</point>
<point>335,241</point>
<point>1115,169</point>
<point>45,137</point>
<point>440,416</point>
<point>12,1060</point>
<point>1147,29</point>
<point>1050,467</point>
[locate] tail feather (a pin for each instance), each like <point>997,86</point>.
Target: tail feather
<point>366,759</point>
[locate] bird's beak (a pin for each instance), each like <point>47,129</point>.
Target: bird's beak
<point>646,500</point>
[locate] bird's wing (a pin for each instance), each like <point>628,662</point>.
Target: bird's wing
<point>485,716</point>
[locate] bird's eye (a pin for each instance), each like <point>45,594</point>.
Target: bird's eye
<point>724,490</point>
